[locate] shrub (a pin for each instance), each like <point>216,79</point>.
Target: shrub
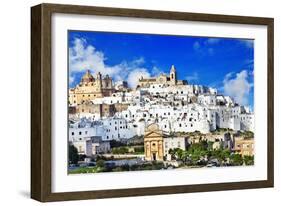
<point>73,154</point>
<point>100,163</point>
<point>248,160</point>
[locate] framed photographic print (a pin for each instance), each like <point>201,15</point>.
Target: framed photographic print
<point>132,102</point>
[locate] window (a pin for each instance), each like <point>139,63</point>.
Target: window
<point>179,125</point>
<point>80,133</point>
<point>72,133</point>
<point>115,128</point>
<point>191,125</point>
<point>86,132</point>
<point>245,146</point>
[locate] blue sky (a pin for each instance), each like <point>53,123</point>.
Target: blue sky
<point>226,64</point>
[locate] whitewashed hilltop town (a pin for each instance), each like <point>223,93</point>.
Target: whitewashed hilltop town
<point>163,123</point>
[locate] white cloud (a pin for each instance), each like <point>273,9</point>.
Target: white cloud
<point>193,77</point>
<point>135,75</point>
<point>237,87</point>
<point>156,71</point>
<point>196,45</point>
<point>211,51</point>
<point>71,79</point>
<point>248,43</point>
<point>84,57</point>
<point>139,61</point>
<point>205,47</point>
<point>212,41</point>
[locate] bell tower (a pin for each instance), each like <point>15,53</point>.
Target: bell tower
<point>173,75</point>
<point>99,85</point>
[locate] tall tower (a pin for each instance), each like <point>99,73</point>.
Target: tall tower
<point>173,75</point>
<point>99,85</point>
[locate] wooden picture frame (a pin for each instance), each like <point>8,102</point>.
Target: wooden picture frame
<point>41,97</point>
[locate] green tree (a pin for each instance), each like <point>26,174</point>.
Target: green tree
<point>196,151</point>
<point>179,153</point>
<point>139,149</point>
<point>114,143</point>
<point>100,163</point>
<point>236,159</point>
<point>73,154</point>
<point>248,160</point>
<point>172,153</point>
<point>120,150</point>
<point>210,145</point>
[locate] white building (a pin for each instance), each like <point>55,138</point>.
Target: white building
<point>175,108</point>
<point>172,143</point>
<point>90,146</point>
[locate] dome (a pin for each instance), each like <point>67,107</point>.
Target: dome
<point>87,77</point>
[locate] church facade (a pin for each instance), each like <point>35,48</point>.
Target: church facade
<point>157,143</point>
<point>167,80</point>
<point>153,143</point>
<point>90,88</point>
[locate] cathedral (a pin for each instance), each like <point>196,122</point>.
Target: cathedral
<point>90,88</point>
<point>168,80</point>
